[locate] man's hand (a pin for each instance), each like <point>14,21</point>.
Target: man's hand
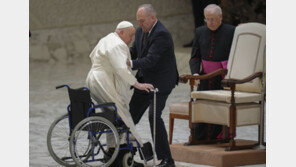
<point>196,82</point>
<point>183,78</point>
<point>128,62</point>
<point>143,86</point>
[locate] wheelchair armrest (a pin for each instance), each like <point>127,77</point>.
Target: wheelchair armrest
<point>104,105</point>
<point>61,86</point>
<point>101,105</point>
<point>104,114</point>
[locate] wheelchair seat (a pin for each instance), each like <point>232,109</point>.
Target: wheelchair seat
<point>80,104</point>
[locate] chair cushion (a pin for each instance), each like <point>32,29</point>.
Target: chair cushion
<point>206,111</point>
<point>181,108</point>
<point>225,96</point>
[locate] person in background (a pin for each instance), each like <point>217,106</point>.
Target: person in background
<point>198,9</point>
<point>210,51</point>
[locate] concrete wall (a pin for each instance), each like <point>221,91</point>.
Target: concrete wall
<point>64,29</point>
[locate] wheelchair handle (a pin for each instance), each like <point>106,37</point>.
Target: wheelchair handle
<point>102,105</point>
<point>155,90</point>
<point>61,86</point>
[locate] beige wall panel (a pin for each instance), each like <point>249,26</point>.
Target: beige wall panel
<point>75,26</point>
<point>46,14</point>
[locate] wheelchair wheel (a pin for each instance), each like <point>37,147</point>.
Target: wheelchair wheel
<point>128,160</point>
<point>58,141</point>
<point>94,142</point>
<point>124,159</point>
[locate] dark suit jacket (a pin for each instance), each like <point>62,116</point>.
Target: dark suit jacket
<point>155,62</point>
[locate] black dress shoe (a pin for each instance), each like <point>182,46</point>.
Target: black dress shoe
<point>166,163</point>
<point>137,164</point>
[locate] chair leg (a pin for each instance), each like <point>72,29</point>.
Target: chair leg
<point>262,123</point>
<point>259,134</point>
<point>191,139</point>
<point>232,126</point>
<point>232,143</point>
<point>171,124</point>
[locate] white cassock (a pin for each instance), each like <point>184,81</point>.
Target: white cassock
<point>109,78</point>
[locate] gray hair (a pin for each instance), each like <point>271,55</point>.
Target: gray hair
<point>148,8</point>
<point>215,7</point>
<point>118,30</point>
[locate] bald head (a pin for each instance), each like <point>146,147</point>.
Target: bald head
<point>146,16</point>
<point>148,9</point>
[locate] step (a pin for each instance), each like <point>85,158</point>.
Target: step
<point>215,154</point>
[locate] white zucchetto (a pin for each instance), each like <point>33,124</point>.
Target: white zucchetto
<point>124,24</point>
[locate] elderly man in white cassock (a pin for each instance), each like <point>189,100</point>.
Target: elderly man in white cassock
<point>109,78</point>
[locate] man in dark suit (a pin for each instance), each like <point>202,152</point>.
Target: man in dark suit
<point>153,56</point>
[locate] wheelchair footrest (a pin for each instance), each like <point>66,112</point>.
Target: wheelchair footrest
<point>147,151</point>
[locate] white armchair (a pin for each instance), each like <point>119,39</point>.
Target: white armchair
<point>241,103</point>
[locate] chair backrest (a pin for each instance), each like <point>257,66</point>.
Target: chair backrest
<point>80,102</point>
<point>247,55</point>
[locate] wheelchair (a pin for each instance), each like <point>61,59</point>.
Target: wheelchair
<point>85,137</point>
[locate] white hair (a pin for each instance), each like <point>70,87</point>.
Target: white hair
<point>148,8</point>
<point>211,7</point>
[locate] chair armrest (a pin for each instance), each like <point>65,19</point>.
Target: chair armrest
<point>185,77</point>
<point>231,81</point>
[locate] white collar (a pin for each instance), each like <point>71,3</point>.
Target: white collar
<point>153,27</point>
<point>115,33</point>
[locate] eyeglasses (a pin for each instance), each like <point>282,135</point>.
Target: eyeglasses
<point>210,20</point>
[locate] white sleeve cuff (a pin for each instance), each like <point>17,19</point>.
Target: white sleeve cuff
<point>131,63</point>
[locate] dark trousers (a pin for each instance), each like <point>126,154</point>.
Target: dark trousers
<point>140,101</point>
<point>203,131</point>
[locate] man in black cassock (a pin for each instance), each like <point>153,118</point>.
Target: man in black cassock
<point>210,51</point>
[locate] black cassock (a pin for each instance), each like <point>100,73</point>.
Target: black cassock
<point>210,52</point>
